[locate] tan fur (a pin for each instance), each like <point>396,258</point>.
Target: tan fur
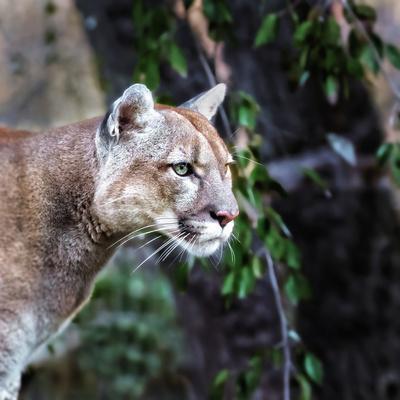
<point>67,195</point>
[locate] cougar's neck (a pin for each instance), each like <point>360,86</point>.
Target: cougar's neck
<point>68,168</point>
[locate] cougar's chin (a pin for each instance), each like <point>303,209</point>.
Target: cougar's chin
<point>205,240</point>
<point>205,249</point>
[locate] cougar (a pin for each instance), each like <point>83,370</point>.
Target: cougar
<point>69,194</point>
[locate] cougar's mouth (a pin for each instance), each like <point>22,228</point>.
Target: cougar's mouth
<point>199,238</point>
<point>203,239</point>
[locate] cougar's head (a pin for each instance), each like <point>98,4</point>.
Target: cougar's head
<point>165,169</point>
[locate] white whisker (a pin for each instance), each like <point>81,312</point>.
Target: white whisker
<point>117,199</point>
<point>249,159</point>
<point>221,252</point>
<point>176,257</point>
<point>136,231</point>
<point>211,258</point>
<point>154,253</point>
<point>235,237</point>
<point>161,230</point>
<point>185,248</point>
<point>149,241</point>
<point>168,251</point>
<point>188,245</point>
<point>232,253</point>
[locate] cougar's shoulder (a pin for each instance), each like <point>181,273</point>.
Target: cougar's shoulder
<point>9,135</point>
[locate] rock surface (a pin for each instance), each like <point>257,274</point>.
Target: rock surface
<point>47,69</point>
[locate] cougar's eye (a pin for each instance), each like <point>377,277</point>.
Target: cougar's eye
<point>182,169</point>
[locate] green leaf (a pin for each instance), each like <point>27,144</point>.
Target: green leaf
<point>331,89</point>
<point>246,117</point>
<point>253,375</point>
<point>305,387</point>
<point>267,31</point>
<point>315,177</point>
<point>355,68</point>
<point>244,109</point>
<point>314,368</point>
<point>152,75</point>
<point>331,32</point>
<point>257,267</point>
<point>275,244</point>
<point>248,380</point>
<point>365,12</point>
<point>246,283</point>
<point>303,31</point>
<point>276,219</point>
<point>297,288</point>
<point>258,174</point>
<point>303,57</point>
<point>292,255</point>
<point>243,158</point>
<point>368,58</point>
<point>221,377</point>
<point>393,55</point>
<point>255,199</point>
<point>217,390</point>
<point>148,73</point>
<point>378,44</point>
<point>177,60</point>
<point>343,147</point>
<point>229,282</point>
<point>275,186</point>
<point>395,166</point>
<point>384,152</point>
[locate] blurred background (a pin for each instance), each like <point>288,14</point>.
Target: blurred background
<point>307,308</point>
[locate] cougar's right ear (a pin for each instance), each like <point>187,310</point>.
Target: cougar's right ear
<point>132,111</point>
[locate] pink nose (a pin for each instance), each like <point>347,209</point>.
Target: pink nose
<point>224,217</point>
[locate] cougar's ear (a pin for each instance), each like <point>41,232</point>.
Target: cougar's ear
<point>207,103</point>
<point>132,110</point>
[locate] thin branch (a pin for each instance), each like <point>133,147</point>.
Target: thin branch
<point>204,63</point>
<point>212,81</point>
<point>287,363</point>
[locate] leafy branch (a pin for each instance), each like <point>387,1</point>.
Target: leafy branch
<point>319,51</point>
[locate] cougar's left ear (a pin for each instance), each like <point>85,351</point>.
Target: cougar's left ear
<point>207,103</point>
<point>133,110</point>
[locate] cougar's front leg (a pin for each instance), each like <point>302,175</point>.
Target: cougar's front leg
<point>10,371</point>
<point>16,343</point>
<point>10,393</point>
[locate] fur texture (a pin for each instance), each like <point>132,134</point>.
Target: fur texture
<point>67,195</point>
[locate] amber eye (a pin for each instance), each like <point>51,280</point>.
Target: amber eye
<point>182,169</point>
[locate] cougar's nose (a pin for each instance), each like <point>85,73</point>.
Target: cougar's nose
<point>224,217</point>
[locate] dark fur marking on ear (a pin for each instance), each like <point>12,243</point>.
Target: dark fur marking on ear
<point>106,138</point>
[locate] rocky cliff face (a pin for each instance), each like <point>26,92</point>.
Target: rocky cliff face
<point>47,69</point>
